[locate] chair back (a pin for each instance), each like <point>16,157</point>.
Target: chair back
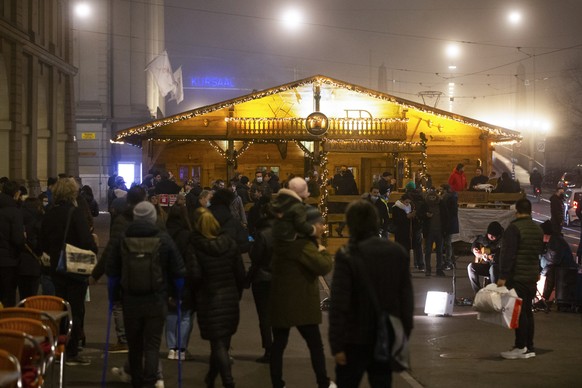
<point>42,340</point>
<point>27,350</point>
<point>22,312</point>
<point>10,370</point>
<point>48,303</point>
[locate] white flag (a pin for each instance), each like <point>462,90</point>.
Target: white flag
<point>178,91</point>
<point>162,72</point>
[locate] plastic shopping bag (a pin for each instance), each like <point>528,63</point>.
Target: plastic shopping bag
<point>508,317</point>
<point>488,299</point>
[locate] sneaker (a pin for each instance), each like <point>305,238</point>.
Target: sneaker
<point>172,354</point>
<point>332,384</point>
<point>118,348</point>
<point>440,273</point>
<point>121,374</point>
<point>516,353</point>
<point>530,353</point>
<point>159,384</point>
<point>77,360</point>
<point>449,267</point>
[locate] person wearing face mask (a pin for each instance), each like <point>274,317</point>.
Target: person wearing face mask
<point>557,210</point>
<point>381,206</point>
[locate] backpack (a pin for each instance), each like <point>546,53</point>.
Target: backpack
<point>141,271</point>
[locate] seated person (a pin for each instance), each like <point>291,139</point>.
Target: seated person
<point>486,249</point>
<point>556,254</point>
<point>291,213</point>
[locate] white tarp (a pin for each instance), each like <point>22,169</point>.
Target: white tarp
<point>474,221</point>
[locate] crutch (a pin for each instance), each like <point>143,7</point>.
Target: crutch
<point>106,350</point>
<point>179,330</point>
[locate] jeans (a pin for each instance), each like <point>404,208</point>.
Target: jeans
<point>73,291</point>
<point>360,360</point>
<point>172,329</point>
<point>524,334</point>
<point>144,323</point>
<point>430,238</point>
<point>119,325</point>
<point>261,297</point>
<point>47,285</point>
<point>220,362</point>
<point>312,337</point>
<point>475,270</point>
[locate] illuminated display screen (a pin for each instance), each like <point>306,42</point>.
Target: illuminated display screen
<point>212,82</point>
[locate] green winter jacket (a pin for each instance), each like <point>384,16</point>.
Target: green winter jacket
<point>296,267</point>
<point>521,246</point>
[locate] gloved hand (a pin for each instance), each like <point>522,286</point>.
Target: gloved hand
<point>179,285</point>
<point>112,286</point>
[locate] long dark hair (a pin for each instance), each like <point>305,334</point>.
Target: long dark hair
<point>362,220</point>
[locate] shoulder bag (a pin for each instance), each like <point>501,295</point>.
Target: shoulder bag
<point>391,344</point>
<point>74,260</point>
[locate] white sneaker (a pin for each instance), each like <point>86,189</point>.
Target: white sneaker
<point>159,384</point>
<point>121,374</point>
<point>516,353</point>
<point>332,384</point>
<point>172,355</point>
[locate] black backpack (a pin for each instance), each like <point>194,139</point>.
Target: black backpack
<point>141,272</point>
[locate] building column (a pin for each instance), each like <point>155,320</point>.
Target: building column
<point>15,158</point>
<point>32,141</point>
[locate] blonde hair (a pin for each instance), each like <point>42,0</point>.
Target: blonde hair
<point>65,190</point>
<point>206,224</point>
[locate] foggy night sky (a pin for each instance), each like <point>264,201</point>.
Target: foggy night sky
<point>245,42</point>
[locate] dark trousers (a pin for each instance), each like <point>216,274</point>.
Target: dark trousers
<point>73,291</point>
<point>417,248</point>
<point>435,237</point>
<point>28,286</point>
<point>474,270</point>
<point>220,362</point>
<point>261,297</point>
<point>524,334</point>
<point>8,284</point>
<point>550,271</point>
<point>144,324</point>
<point>312,337</point>
<point>360,360</point>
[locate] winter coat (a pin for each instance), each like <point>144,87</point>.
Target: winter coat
<point>345,184</point>
<point>116,232</point>
<point>296,267</point>
<point>403,226</point>
<point>218,274</point>
<point>519,258</point>
<point>291,217</point>
<point>231,226</point>
<point>481,241</point>
<point>171,261</point>
<point>451,201</point>
<point>382,209</point>
<point>53,232</point>
<point>558,253</point>
<point>166,186</point>
<point>557,209</point>
<point>29,264</point>
<point>11,231</point>
<point>352,314</point>
<point>478,180</point>
<point>243,192</point>
<point>274,184</point>
<point>458,180</point>
<point>237,209</point>
<point>438,208</point>
<point>261,253</point>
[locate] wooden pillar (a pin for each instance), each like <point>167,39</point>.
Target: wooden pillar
<point>230,160</point>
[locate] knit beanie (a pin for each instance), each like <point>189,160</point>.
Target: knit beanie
<point>410,186</point>
<point>495,229</point>
<point>145,211</point>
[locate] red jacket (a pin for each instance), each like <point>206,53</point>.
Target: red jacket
<point>457,180</point>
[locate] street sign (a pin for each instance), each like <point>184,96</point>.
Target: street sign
<point>88,136</point>
<point>541,146</point>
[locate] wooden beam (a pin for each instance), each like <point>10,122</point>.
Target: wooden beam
<point>282,147</point>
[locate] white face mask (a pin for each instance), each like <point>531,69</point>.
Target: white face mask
<point>259,179</point>
<point>208,204</point>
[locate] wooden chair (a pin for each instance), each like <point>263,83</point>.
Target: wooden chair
<point>52,304</point>
<point>9,370</point>
<point>27,350</point>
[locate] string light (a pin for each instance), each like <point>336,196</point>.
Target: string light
<point>133,134</point>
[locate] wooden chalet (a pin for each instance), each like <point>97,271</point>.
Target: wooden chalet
<point>321,123</point>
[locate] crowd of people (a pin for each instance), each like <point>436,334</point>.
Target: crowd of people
<point>167,265</point>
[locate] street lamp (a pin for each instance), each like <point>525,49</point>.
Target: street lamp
<point>82,10</point>
<point>514,17</point>
<point>292,19</point>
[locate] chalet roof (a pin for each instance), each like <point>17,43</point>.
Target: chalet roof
<point>136,134</point>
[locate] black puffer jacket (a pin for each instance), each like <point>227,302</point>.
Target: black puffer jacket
<point>231,226</point>
<point>218,274</point>
<point>11,231</point>
<point>29,264</point>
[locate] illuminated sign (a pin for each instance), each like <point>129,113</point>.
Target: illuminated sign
<point>88,136</point>
<point>212,82</point>
<point>317,124</point>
